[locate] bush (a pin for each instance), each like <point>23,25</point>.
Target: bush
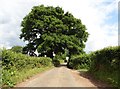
<point>106,62</point>
<point>105,59</point>
<point>79,62</point>
<point>101,62</point>
<point>13,62</point>
<point>56,63</point>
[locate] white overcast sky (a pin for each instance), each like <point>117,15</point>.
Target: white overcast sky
<point>99,16</point>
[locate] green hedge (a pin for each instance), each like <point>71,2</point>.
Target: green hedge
<point>79,62</point>
<point>13,63</point>
<point>104,64</point>
<point>56,60</point>
<point>105,59</point>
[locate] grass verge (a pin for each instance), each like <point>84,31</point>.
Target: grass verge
<point>21,76</point>
<point>108,77</point>
<point>103,78</point>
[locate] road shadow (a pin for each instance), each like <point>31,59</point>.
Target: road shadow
<point>62,65</point>
<point>98,83</point>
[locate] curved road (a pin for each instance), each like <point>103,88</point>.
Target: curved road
<point>59,77</point>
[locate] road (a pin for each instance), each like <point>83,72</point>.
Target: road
<point>60,77</point>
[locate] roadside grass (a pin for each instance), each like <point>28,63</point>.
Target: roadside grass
<point>17,67</point>
<point>102,64</point>
<point>21,76</point>
<point>108,77</point>
<point>83,70</point>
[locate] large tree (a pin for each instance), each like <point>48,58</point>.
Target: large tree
<point>50,29</point>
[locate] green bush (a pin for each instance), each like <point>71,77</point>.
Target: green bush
<point>105,64</point>
<point>105,59</point>
<point>13,63</point>
<point>56,60</point>
<point>79,62</point>
<point>56,63</point>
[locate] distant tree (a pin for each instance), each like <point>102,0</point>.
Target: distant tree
<point>49,29</point>
<point>17,49</point>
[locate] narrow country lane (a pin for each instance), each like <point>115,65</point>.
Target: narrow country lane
<point>58,77</point>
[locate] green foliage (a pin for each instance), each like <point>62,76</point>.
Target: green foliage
<point>49,29</point>
<point>111,78</point>
<point>0,67</point>
<point>105,59</point>
<point>13,63</point>
<point>81,61</point>
<point>17,49</point>
<point>0,73</point>
<point>56,61</point>
<point>106,62</point>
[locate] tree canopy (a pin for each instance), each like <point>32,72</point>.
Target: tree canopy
<point>49,29</point>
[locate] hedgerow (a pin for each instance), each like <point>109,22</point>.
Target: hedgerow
<point>105,65</point>
<point>107,58</point>
<point>102,64</point>
<point>13,63</point>
<point>79,62</point>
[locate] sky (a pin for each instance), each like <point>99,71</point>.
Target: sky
<point>99,16</point>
